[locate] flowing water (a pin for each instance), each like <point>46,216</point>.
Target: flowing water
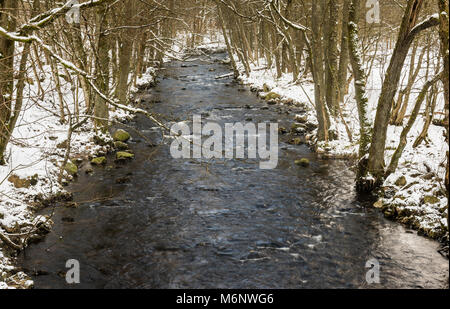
<point>158,222</point>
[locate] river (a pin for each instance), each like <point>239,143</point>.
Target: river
<point>159,222</point>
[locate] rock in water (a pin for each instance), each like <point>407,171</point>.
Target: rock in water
<point>302,162</point>
<point>301,119</point>
<point>123,155</point>
<point>271,96</point>
<point>297,127</point>
<point>121,145</point>
<point>121,136</point>
<point>99,161</point>
<point>282,130</point>
<point>71,168</point>
<point>296,141</point>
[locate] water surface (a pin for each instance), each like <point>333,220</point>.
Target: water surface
<point>163,223</point>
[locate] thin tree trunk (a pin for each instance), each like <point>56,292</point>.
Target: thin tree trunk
<point>429,112</point>
<point>403,138</point>
<point>227,41</point>
<point>344,57</point>
<point>318,74</point>
<point>101,110</point>
<point>443,35</point>
<point>332,58</point>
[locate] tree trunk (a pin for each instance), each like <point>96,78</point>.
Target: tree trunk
<point>363,183</point>
<point>125,53</point>
<point>443,34</point>
<point>227,41</point>
<point>344,56</point>
<point>317,62</point>
<point>101,110</point>
<point>332,58</point>
<point>7,49</point>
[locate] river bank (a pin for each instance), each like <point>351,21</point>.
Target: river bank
<point>415,194</point>
<point>30,180</point>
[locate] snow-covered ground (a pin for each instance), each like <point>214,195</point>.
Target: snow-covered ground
<point>35,155</point>
<point>419,202</point>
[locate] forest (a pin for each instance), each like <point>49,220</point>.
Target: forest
<point>91,91</point>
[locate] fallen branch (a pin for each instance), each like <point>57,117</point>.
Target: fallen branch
<point>9,242</point>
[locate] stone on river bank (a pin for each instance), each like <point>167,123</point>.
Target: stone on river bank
<point>121,136</point>
<point>120,145</point>
<point>71,168</point>
<point>272,96</point>
<point>123,155</point>
<point>99,161</point>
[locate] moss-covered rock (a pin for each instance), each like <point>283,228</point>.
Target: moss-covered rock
<point>71,168</point>
<point>296,141</point>
<point>123,155</point>
<point>302,162</point>
<point>99,161</point>
<point>121,145</point>
<point>121,136</point>
<point>271,96</point>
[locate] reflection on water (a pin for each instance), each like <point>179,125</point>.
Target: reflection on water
<point>226,224</point>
